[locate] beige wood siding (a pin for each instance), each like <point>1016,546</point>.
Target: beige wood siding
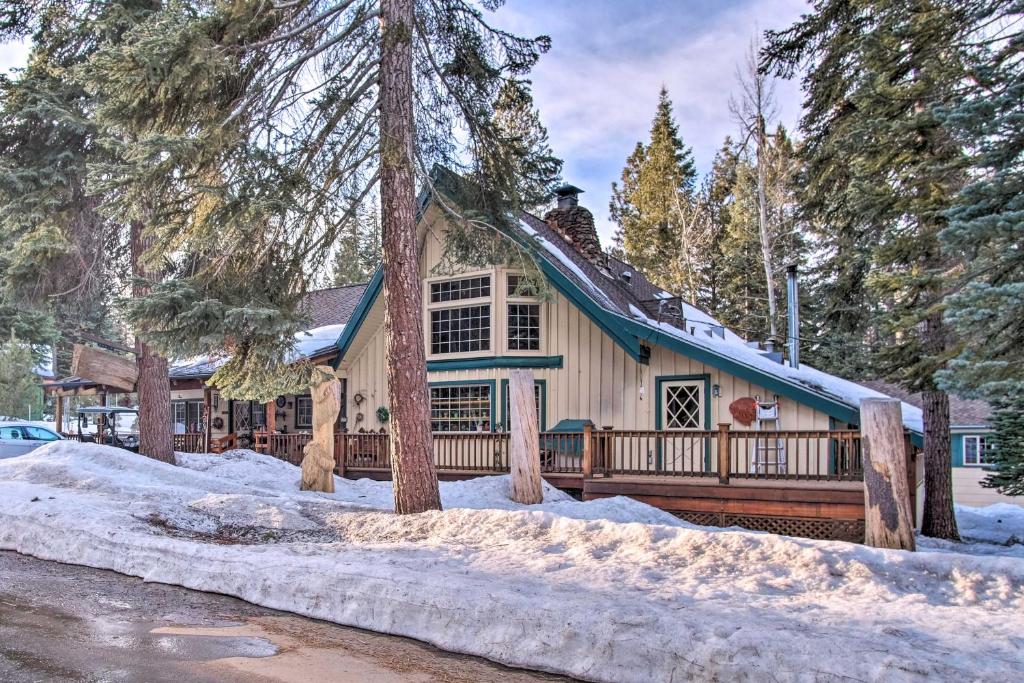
<point>967,489</point>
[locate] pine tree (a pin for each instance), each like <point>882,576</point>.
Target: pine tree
<point>657,178</point>
<point>985,233</point>
<point>22,395</point>
<point>534,171</point>
<point>876,71</point>
<point>257,133</point>
<point>358,253</point>
<point>743,300</point>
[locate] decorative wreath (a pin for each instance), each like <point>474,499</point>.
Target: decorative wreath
<point>280,401</point>
<point>218,423</point>
<point>383,415</point>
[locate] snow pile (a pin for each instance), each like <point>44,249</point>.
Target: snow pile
<point>1000,523</point>
<point>609,590</point>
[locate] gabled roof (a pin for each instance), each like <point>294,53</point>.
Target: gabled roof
<point>627,312</point>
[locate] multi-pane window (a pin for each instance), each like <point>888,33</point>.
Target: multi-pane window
<point>460,330</point>
<point>520,285</point>
<point>976,451</point>
<point>462,408</point>
<point>259,415</point>
<point>187,416</point>
<point>303,411</point>
<point>460,290</point>
<point>524,327</point>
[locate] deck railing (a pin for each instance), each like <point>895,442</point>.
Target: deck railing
<point>189,442</point>
<point>833,455</point>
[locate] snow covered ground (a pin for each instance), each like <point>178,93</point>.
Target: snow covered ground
<point>608,590</point>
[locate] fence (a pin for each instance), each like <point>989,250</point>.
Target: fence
<point>833,455</point>
<point>190,442</point>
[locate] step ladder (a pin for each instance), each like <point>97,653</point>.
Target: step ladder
<point>768,452</point>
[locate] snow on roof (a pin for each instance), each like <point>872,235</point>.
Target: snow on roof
<point>594,290</point>
<point>308,344</point>
<point>804,377</point>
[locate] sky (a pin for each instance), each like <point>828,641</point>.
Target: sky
<point>598,86</point>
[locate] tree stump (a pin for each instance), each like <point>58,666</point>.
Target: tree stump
<point>318,458</point>
<point>525,437</point>
<point>888,520</point>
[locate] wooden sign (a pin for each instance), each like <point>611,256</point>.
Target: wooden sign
<point>104,367</point>
<point>744,410</point>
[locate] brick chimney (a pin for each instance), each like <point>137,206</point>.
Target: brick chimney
<point>576,225</point>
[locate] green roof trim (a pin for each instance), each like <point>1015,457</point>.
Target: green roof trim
<point>373,289</point>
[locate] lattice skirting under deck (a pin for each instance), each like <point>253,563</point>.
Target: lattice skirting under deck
<point>828,529</point>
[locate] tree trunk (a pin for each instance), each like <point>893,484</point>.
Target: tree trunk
<point>154,387</point>
<point>525,439</point>
<point>888,517</point>
<point>412,450</point>
<point>939,520</point>
<point>762,226</point>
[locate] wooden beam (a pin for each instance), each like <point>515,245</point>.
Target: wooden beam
<point>524,456</point>
<point>104,367</point>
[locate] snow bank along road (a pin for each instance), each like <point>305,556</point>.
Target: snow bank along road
<point>610,590</point>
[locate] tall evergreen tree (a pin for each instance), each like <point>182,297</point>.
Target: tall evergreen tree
<point>22,395</point>
<point>358,253</point>
<point>985,234</point>
<point>258,133</point>
<point>534,171</point>
<point>645,204</point>
<point>875,73</point>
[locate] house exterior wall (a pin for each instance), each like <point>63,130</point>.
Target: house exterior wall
<point>967,488</point>
<point>285,417</point>
<point>591,378</point>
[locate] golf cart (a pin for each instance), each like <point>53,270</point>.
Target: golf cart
<point>114,426</point>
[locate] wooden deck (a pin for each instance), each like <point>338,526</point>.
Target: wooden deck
<point>706,477</point>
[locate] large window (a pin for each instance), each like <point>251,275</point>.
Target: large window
<point>460,330</point>
<point>522,315</point>
<point>977,451</point>
<point>462,408</point>
<point>303,411</point>
<point>187,416</point>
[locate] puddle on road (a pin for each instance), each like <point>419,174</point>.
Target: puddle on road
<point>33,637</point>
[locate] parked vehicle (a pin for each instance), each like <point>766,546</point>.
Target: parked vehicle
<point>19,438</point>
<point>115,426</point>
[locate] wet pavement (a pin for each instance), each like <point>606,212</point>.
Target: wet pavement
<point>67,623</point>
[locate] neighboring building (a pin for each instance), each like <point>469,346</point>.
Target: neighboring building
<point>970,445</point>
<point>328,310</point>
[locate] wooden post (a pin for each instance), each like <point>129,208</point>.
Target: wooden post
<point>271,409</point>
<point>58,412</point>
<point>342,441</point>
<point>887,515</point>
<point>724,461</point>
<point>318,461</point>
<point>208,422</point>
<point>104,368</point>
<point>525,447</point>
<point>588,451</point>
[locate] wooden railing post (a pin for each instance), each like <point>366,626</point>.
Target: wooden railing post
<point>724,461</point>
<point>341,441</point>
<point>588,451</point>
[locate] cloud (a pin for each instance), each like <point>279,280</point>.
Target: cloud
<point>598,87</point>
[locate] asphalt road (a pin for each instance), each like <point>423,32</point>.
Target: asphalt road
<point>66,623</point>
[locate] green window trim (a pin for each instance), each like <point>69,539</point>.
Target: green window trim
<point>468,383</point>
<point>491,362</point>
<point>542,418</point>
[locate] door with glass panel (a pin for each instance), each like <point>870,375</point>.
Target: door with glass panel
<point>682,410</point>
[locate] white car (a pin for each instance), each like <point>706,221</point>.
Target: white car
<point>18,438</point>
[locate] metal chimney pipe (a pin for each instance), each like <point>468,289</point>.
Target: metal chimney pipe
<point>793,316</point>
